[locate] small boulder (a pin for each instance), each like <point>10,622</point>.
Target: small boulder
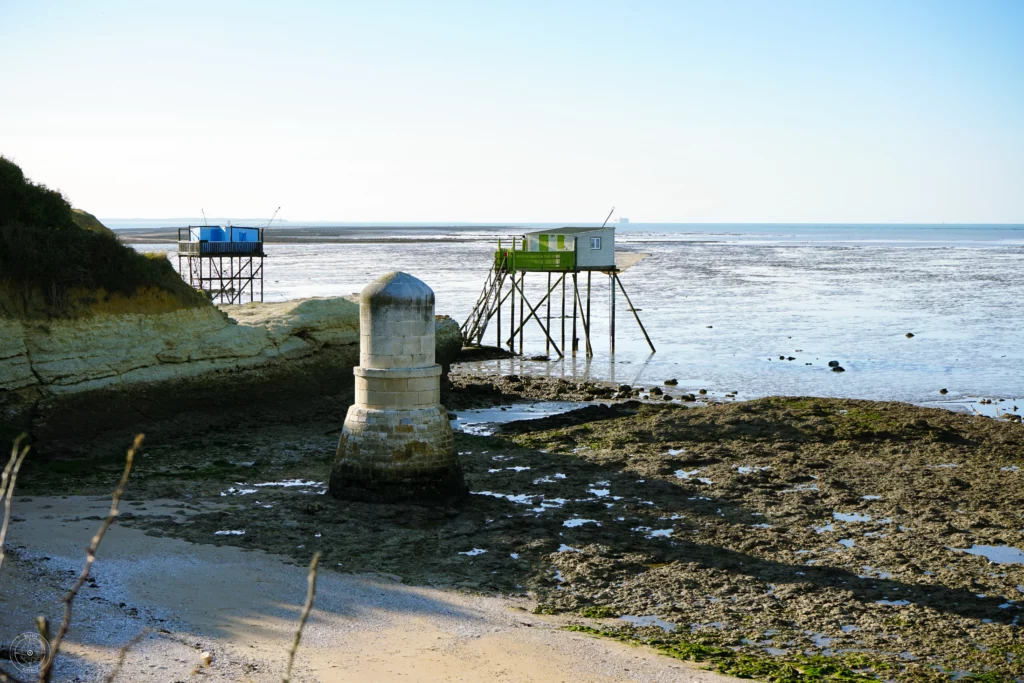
<point>702,392</point>
<point>838,368</point>
<point>666,397</point>
<point>656,391</point>
<point>943,392</point>
<point>833,364</point>
<point>671,382</point>
<point>910,335</point>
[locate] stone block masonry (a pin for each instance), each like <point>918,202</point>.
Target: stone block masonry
<point>396,443</point>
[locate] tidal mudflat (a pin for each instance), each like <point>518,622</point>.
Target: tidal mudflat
<point>781,538</point>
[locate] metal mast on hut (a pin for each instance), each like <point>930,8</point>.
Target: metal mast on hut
<point>564,254</point>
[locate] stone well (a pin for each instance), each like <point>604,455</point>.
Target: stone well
<point>397,443</point>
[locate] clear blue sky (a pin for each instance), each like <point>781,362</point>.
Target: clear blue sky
<point>521,111</point>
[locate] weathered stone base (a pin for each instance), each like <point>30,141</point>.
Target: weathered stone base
<point>397,454</point>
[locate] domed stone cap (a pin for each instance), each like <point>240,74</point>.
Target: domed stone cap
<point>397,288</point>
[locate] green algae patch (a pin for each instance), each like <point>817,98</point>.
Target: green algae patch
<point>724,660</point>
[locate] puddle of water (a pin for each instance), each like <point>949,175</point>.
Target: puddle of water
<point>761,526</point>
<point>518,468</point>
<point>575,522</point>
<point>474,552</point>
<point>676,451</point>
<point>820,639</point>
<point>485,421</point>
<point>897,603</point>
<point>684,474</point>
<point>237,492</point>
<point>666,626</point>
<point>514,556</point>
<point>600,493</point>
<point>943,466</point>
<point>1011,468</point>
<point>744,469</point>
<point>287,483</point>
<point>851,516</point>
<point>520,498</point>
<point>871,498</point>
<point>872,573</point>
<point>849,628</point>
<point>567,549</point>
<point>996,554</point>
<point>847,542</point>
<point>823,529</point>
<point>801,487</point>
<point>230,532</point>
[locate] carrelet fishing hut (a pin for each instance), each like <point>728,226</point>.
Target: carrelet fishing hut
<point>224,262</point>
<point>564,254</point>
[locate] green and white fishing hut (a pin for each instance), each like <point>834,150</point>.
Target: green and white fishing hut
<point>562,253</point>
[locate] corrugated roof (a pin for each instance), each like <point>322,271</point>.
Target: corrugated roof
<point>569,231</point>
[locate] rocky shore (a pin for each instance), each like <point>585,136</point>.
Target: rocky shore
<point>785,539</point>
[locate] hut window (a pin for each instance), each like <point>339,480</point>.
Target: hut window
<point>595,242</point>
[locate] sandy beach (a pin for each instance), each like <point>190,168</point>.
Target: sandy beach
<point>242,605</point>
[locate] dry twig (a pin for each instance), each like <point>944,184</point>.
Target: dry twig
<point>45,671</point>
<point>7,481</point>
<point>307,608</point>
<point>124,653</point>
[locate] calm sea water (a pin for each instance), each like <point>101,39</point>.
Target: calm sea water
<point>723,302</point>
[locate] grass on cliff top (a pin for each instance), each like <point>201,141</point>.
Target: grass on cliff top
<point>50,255</point>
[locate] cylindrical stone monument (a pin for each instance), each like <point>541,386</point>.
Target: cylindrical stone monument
<point>397,443</point>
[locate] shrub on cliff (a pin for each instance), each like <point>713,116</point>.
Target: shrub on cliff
<point>48,260</point>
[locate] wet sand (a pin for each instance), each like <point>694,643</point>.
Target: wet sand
<point>242,606</point>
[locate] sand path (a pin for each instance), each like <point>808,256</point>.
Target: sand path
<point>242,607</point>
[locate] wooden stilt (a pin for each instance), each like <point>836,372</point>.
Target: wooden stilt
<point>563,314</point>
<point>586,323</point>
<point>547,323</point>
<point>575,298</point>
<point>522,304</point>
<point>533,314</point>
<point>635,314</point>
<point>512,313</point>
<point>611,312</point>
<point>497,341</point>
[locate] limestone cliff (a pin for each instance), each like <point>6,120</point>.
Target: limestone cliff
<point>116,349</point>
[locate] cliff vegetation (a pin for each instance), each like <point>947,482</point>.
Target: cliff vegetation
<point>59,262</point>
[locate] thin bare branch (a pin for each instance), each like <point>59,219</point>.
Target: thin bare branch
<point>124,653</point>
<point>45,672</point>
<point>307,608</point>
<point>10,476</point>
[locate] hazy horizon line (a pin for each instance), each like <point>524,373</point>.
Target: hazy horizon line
<point>210,220</point>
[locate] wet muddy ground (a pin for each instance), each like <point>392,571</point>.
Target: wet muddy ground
<point>783,538</point>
